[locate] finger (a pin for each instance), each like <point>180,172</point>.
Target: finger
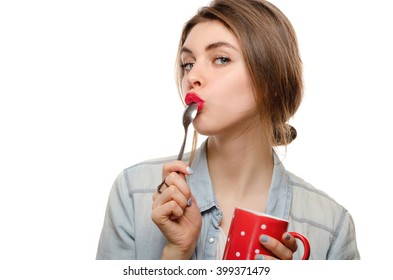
<point>180,182</point>
<point>160,189</point>
<point>263,257</point>
<point>289,241</point>
<point>165,212</point>
<point>171,193</point>
<point>276,247</point>
<point>176,166</point>
<point>191,202</point>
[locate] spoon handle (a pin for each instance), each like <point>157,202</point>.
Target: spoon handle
<point>188,116</point>
<point>180,156</point>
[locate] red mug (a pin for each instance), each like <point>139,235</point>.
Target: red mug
<point>246,228</point>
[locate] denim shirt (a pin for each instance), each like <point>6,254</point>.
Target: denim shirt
<point>129,232</point>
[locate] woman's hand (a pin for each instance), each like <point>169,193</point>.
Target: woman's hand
<point>281,250</point>
<point>176,213</point>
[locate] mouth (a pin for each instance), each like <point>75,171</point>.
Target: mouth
<point>192,97</point>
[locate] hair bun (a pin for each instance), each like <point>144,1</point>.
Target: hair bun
<point>293,133</point>
<point>285,135</point>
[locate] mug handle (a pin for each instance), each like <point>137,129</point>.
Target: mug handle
<point>305,242</point>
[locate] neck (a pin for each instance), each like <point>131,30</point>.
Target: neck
<point>240,165</point>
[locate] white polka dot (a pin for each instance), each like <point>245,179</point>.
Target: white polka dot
<point>242,233</point>
<point>228,239</point>
<point>257,251</point>
<point>237,254</point>
<point>263,226</point>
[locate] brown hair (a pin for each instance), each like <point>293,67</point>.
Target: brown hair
<point>269,45</point>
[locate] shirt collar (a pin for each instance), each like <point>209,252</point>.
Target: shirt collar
<point>280,194</point>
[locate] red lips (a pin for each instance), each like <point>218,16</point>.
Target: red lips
<point>192,97</point>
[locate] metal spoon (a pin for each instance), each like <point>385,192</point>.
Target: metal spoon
<point>188,116</point>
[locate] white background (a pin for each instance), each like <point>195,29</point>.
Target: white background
<point>87,88</point>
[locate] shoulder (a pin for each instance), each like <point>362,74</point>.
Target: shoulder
<point>327,224</point>
<point>314,206</point>
<point>305,189</point>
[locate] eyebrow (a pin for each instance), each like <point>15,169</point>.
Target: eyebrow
<point>211,46</point>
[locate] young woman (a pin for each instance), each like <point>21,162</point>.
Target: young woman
<point>240,60</point>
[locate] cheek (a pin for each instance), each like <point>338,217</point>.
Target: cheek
<point>239,92</point>
<point>183,86</point>
<point>183,83</point>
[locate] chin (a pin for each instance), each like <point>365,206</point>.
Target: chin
<point>202,129</point>
<point>204,126</point>
<point>203,132</point>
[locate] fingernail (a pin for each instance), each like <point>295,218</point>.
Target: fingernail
<point>189,170</point>
<point>259,257</point>
<point>287,236</point>
<point>189,202</point>
<point>264,238</point>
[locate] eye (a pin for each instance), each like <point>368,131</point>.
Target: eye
<point>187,66</point>
<point>221,60</point>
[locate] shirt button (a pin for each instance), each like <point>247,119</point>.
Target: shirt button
<point>211,240</point>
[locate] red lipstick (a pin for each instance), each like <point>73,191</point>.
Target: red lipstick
<point>192,97</point>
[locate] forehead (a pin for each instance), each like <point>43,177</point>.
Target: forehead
<point>208,32</point>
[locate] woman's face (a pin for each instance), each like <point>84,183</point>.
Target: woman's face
<point>214,69</point>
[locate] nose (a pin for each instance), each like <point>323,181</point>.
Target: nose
<point>194,78</point>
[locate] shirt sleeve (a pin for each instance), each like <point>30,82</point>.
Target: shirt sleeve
<point>344,247</point>
<point>117,240</point>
